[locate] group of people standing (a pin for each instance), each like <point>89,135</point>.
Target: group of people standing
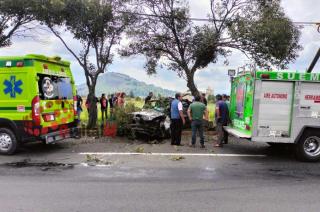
<point>197,113</point>
<point>110,101</point>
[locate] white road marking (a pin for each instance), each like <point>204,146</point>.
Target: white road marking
<point>171,154</point>
<point>95,165</point>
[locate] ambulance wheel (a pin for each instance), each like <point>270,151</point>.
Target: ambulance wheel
<point>308,147</point>
<point>8,142</point>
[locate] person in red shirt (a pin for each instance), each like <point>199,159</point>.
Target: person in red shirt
<point>104,107</point>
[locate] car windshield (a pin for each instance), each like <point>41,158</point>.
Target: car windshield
<point>53,87</point>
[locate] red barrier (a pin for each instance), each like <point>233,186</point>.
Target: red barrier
<point>110,130</point>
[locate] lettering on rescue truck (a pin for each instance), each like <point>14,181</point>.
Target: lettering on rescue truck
<point>298,76</point>
<point>315,98</point>
<point>290,76</point>
<point>275,96</point>
<point>239,124</point>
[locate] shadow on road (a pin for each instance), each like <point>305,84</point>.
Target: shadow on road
<point>40,148</point>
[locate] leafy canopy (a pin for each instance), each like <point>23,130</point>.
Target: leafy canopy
<point>94,23</point>
<point>167,36</point>
<point>15,19</point>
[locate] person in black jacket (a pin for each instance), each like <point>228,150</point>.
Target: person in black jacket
<point>204,99</point>
<point>79,106</point>
<point>111,105</point>
<point>104,107</point>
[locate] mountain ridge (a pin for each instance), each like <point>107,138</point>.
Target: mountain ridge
<point>112,82</point>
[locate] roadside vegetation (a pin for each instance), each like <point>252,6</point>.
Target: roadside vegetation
<point>138,104</point>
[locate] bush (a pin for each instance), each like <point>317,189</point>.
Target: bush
<point>124,119</point>
<point>138,99</point>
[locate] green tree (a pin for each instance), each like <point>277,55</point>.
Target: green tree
<point>98,28</point>
<point>259,28</point>
<point>131,94</point>
<point>168,37</point>
<point>15,19</point>
<point>138,99</point>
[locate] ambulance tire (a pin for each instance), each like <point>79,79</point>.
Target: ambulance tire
<point>308,146</point>
<point>8,136</point>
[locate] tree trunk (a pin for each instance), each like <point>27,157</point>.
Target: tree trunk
<point>192,86</point>
<point>93,112</point>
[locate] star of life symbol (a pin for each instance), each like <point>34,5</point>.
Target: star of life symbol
<point>12,86</point>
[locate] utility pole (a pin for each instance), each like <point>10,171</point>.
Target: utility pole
<point>314,61</point>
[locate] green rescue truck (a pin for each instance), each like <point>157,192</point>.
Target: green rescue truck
<point>277,107</point>
<point>37,100</point>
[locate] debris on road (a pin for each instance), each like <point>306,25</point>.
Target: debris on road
<point>177,158</point>
<point>93,160</point>
<point>139,150</point>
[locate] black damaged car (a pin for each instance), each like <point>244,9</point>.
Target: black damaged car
<point>153,122</point>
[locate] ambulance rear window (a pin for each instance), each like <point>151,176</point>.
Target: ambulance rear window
<point>53,87</point>
<point>240,92</point>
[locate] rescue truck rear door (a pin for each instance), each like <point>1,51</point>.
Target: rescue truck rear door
<point>274,109</point>
<point>309,106</point>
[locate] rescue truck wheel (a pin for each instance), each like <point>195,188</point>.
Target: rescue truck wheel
<point>308,147</point>
<point>8,142</point>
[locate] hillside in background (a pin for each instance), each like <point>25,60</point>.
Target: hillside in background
<point>111,82</point>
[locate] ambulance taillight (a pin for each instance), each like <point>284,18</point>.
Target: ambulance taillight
<point>36,110</point>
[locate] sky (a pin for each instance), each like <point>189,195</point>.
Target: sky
<point>214,76</point>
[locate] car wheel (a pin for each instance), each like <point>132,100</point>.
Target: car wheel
<point>8,142</point>
<point>132,134</point>
<point>308,147</point>
<point>161,134</point>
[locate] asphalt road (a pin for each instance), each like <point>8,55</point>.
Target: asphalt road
<point>275,182</point>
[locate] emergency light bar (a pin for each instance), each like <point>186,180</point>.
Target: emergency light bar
<point>8,64</point>
<point>14,64</point>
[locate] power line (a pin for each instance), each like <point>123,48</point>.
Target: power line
<point>306,23</point>
<point>301,23</point>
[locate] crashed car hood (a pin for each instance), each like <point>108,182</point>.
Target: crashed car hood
<point>148,114</point>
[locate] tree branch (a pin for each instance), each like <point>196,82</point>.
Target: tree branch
<point>67,47</point>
